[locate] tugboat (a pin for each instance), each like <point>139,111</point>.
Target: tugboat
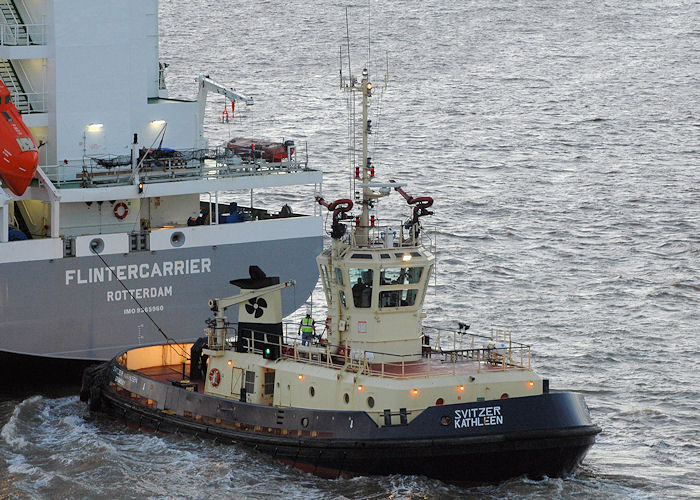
<point>380,393</point>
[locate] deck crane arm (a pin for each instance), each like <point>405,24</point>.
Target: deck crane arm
<point>217,334</point>
<point>207,85</point>
<point>219,306</point>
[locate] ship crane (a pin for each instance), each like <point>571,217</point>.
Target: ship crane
<point>219,307</point>
<point>207,85</point>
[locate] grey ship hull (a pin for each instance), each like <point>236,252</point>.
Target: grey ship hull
<point>75,309</point>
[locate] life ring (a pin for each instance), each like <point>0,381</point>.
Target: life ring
<point>121,210</point>
<point>214,377</point>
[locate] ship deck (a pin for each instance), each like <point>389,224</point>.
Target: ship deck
<point>431,364</point>
<point>439,364</point>
<point>172,374</point>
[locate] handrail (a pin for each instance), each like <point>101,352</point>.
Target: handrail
<point>209,164</point>
<point>493,355</point>
<point>390,234</point>
<point>23,34</point>
<point>35,102</point>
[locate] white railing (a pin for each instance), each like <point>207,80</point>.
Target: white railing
<point>22,34</point>
<point>390,234</point>
<point>457,352</point>
<point>33,102</point>
<point>184,165</point>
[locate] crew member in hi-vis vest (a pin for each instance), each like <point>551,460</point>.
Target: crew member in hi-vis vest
<point>307,329</point>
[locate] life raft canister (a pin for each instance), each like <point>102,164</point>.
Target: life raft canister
<point>121,210</point>
<point>214,377</point>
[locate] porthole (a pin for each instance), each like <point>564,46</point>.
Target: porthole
<point>97,245</point>
<point>304,422</point>
<point>439,402</point>
<point>177,239</point>
<point>312,391</point>
<point>370,402</point>
<point>346,398</point>
<point>445,420</point>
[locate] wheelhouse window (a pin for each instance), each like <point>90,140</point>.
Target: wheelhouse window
<point>400,276</point>
<point>326,282</point>
<point>324,275</point>
<point>398,298</point>
<point>339,276</point>
<point>362,256</point>
<point>361,280</point>
<point>342,298</point>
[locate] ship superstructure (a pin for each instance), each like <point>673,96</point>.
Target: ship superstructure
<point>125,226</point>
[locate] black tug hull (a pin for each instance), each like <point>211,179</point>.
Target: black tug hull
<point>545,435</point>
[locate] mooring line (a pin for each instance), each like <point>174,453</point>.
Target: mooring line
<point>169,341</point>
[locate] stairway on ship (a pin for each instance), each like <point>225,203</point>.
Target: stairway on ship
<point>9,12</point>
<point>16,30</point>
<point>8,75</point>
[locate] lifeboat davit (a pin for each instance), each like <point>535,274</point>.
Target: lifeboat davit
<point>19,156</point>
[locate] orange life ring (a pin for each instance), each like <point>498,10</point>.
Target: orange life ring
<point>214,377</point>
<point>121,210</point>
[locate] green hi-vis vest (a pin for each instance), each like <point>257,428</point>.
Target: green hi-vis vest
<point>306,325</point>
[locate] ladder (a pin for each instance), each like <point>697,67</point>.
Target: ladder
<point>9,78</point>
<point>11,16</point>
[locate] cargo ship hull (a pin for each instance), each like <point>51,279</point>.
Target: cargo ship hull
<point>77,308</point>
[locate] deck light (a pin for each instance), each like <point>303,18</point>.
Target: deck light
<point>369,85</point>
<point>94,127</point>
<point>531,383</point>
<point>157,123</point>
<point>360,388</point>
<point>414,392</point>
<point>406,257</point>
<point>301,377</point>
<point>230,362</point>
<point>460,388</point>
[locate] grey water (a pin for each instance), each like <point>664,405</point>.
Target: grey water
<point>560,140</point>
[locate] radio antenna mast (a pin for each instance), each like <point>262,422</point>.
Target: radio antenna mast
<point>369,36</point>
<point>347,38</point>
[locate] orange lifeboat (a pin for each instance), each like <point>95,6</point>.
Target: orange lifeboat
<point>256,148</point>
<point>19,156</point>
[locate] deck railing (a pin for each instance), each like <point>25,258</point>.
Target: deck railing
<point>22,34</point>
<point>466,352</point>
<point>209,164</point>
<point>391,234</point>
<point>29,103</point>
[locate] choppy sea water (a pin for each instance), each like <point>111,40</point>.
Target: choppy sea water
<point>560,141</point>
